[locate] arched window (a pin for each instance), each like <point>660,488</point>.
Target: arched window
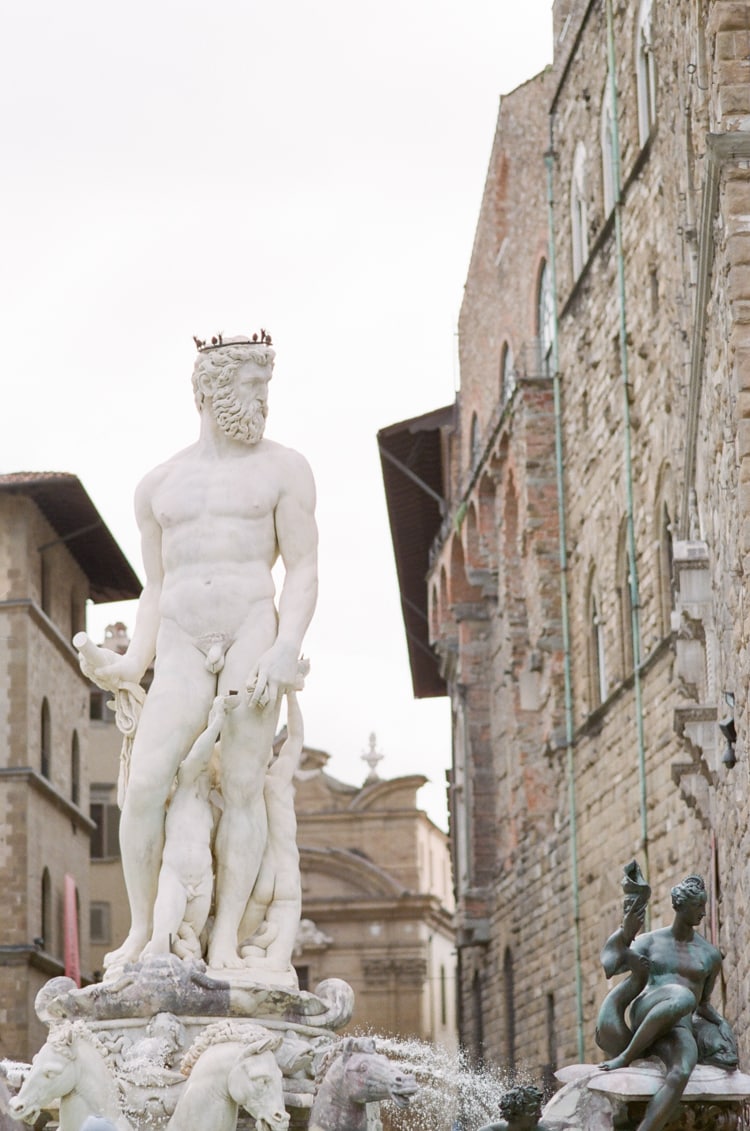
<point>75,770</point>
<point>607,139</point>
<point>625,603</point>
<point>666,569</point>
<point>507,374</point>
<point>545,321</point>
<point>597,655</point>
<point>474,440</point>
<point>509,993</point>
<point>45,926</point>
<point>578,211</point>
<point>645,71</point>
<point>46,741</point>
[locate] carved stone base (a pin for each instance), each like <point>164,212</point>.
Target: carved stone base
<point>164,1041</point>
<point>593,1100</point>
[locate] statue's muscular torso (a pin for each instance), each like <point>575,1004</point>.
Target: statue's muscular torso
<point>215,522</point>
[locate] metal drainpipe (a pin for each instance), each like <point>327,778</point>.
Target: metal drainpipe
<point>632,562</point>
<point>549,160</point>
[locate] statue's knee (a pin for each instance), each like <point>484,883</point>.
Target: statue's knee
<point>678,1077</point>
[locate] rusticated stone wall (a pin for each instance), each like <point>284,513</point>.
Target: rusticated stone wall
<point>653,353</point>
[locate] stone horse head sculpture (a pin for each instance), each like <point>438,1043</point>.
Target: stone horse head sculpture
<point>73,1067</point>
<point>231,1066</point>
<point>351,1075</point>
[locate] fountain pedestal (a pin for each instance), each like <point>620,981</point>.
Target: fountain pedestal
<point>594,1100</point>
<point>138,1047</point>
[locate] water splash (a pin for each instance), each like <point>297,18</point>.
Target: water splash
<point>452,1096</point>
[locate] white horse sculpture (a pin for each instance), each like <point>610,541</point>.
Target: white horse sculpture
<point>72,1067</point>
<point>232,1066</point>
<point>353,1074</point>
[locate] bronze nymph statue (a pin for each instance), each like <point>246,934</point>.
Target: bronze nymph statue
<point>662,1008</point>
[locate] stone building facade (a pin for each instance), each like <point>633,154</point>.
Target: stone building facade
<point>55,555</point>
<point>584,590</point>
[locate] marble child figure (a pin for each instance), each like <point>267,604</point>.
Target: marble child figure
<point>272,915</point>
<point>214,518</point>
<point>183,898</point>
<point>672,972</point>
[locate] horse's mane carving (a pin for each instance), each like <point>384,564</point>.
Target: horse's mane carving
<point>255,1037</point>
<point>62,1038</point>
<point>343,1049</point>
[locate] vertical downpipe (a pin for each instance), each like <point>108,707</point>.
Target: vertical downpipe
<point>549,160</point>
<point>632,562</point>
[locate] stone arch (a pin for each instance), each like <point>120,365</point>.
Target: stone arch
<point>460,589</point>
<point>471,539</point>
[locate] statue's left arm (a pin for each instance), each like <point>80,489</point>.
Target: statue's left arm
<point>297,538</point>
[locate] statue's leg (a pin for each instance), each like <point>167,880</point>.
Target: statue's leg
<point>174,714</point>
<point>246,749</point>
<point>613,1035</point>
<point>679,1052</point>
<point>666,1007</point>
<point>260,898</point>
<point>243,828</point>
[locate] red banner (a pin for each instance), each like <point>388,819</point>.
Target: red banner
<point>72,955</point>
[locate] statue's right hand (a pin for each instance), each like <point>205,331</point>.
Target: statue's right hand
<point>106,668</point>
<point>633,922</point>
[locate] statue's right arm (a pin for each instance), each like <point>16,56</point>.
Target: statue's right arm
<point>143,643</point>
<point>613,955</point>
<point>131,667</point>
<point>621,954</point>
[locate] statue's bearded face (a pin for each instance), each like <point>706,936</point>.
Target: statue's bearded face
<point>240,402</point>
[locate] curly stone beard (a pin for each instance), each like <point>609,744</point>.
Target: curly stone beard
<point>238,419</point>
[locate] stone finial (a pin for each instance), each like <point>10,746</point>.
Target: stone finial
<point>372,757</point>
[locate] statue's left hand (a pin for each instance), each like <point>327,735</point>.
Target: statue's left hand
<point>276,672</point>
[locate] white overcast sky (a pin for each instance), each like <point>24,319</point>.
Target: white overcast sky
<point>180,167</point>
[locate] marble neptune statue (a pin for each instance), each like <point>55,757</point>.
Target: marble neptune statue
<point>213,519</point>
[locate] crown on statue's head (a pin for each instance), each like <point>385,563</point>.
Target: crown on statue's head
<point>215,343</point>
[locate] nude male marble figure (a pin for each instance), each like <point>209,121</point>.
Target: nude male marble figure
<point>214,518</point>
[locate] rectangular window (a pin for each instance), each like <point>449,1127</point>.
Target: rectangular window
<point>100,923</point>
<point>105,839</point>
